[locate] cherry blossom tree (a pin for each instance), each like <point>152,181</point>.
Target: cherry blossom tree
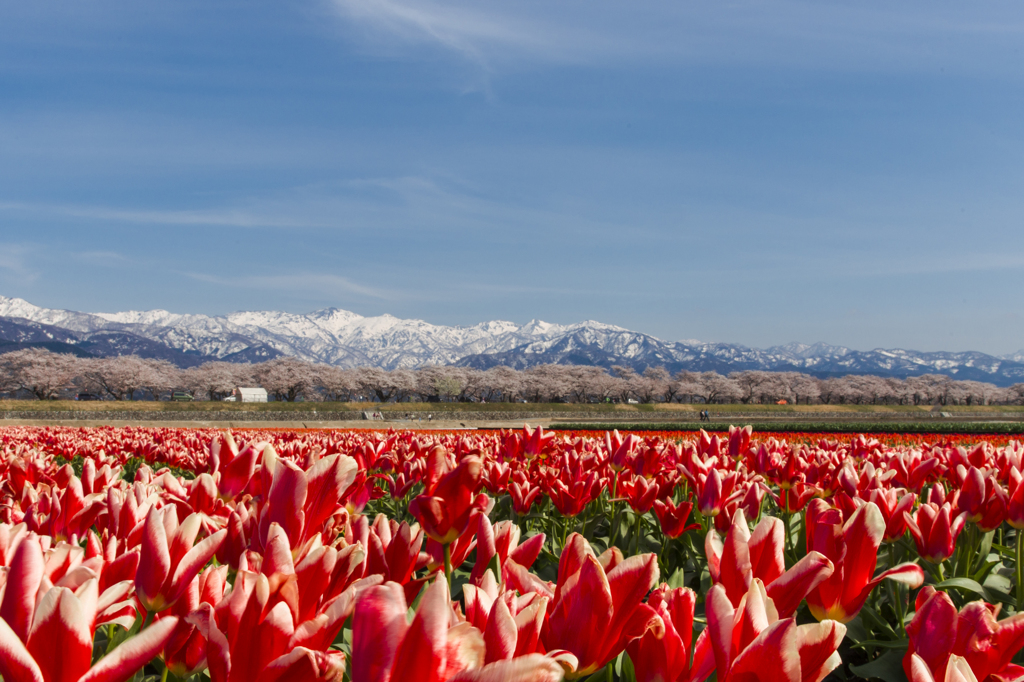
<point>713,388</point>
<point>649,386</point>
<point>124,376</point>
<point>336,384</point>
<point>216,380</point>
<point>804,388</point>
<point>286,378</point>
<point>547,383</point>
<point>44,374</point>
<point>503,383</point>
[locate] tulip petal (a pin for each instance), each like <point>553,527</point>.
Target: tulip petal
<point>817,645</point>
<point>378,627</point>
<point>767,547</point>
<point>464,650</point>
<point>60,640</point>
<point>16,663</point>
<point>959,671</point>
<point>917,670</point>
<point>773,657</point>
<point>23,579</point>
<point>500,634</point>
<point>154,561</point>
<point>721,615</point>
<point>792,586</point>
<point>421,655</point>
<point>529,668</point>
<point>193,562</point>
<point>862,535</point>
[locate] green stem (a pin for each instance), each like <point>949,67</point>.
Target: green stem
<point>897,592</point>
<point>1020,569</point>
<point>639,519</point>
<point>448,565</point>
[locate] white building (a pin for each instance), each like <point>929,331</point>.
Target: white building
<point>248,395</point>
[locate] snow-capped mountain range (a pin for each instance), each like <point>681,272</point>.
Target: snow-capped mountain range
<point>339,337</point>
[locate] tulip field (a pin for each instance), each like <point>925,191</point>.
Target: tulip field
<point>508,556</point>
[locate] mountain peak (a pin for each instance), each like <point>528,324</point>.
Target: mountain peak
<point>343,338</point>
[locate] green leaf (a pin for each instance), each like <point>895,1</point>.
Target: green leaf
<point>677,579</point>
<point>986,544</point>
<point>627,673</point>
<point>963,584</point>
<point>884,644</point>
<point>888,667</point>
<point>985,569</point>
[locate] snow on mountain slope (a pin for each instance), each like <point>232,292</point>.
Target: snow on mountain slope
<point>343,338</point>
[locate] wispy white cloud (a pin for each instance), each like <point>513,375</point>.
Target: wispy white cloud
<point>466,31</point>
<point>227,217</point>
<point>320,284</point>
<point>14,259</point>
<point>108,259</point>
<point>859,35</point>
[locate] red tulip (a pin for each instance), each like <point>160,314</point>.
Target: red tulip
<point>982,500</point>
<point>892,502</point>
<point>619,449</point>
<point>934,532</point>
<point>169,561</point>
<point>448,501</point>
<point>739,440</point>
<point>751,644</point>
<point>937,632</point>
<point>639,492</point>
<point>51,640</point>
<point>302,500</point>
<point>386,647</point>
<point>742,558</point>
<point>673,518</point>
<point>666,657</point>
<point>853,550</point>
<point>587,593</point>
<point>511,625</point>
<point>498,543</point>
<point>536,441</point>
<point>957,671</point>
<point>252,634</point>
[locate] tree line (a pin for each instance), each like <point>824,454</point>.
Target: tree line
<point>40,374</point>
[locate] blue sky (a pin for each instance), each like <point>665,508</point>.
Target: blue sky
<point>747,172</point>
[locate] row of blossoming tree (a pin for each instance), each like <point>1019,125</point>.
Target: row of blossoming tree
<point>517,556</point>
<point>38,373</point>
